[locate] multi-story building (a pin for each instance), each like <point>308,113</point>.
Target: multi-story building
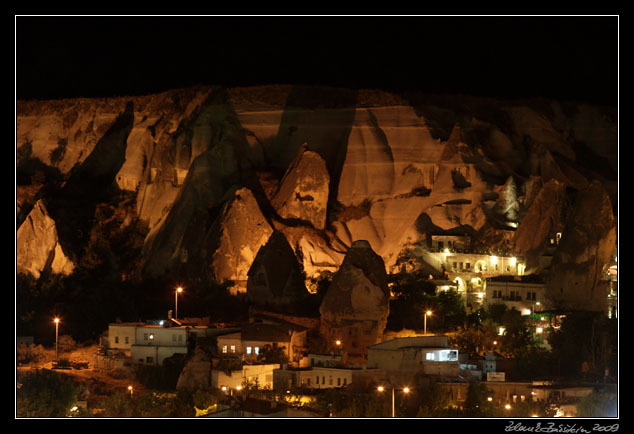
<point>249,342</point>
<point>149,343</point>
<point>526,294</point>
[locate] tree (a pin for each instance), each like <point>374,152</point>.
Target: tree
<point>476,403</point>
<point>273,354</point>
<point>45,393</point>
<point>585,345</point>
<point>599,403</point>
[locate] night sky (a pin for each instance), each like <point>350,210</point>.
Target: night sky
<point>569,58</point>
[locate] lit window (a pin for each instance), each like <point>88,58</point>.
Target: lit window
<point>233,348</point>
<point>127,340</point>
<point>257,350</point>
<point>429,356</point>
<point>224,349</point>
<point>249,351</point>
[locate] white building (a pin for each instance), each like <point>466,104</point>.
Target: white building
<point>262,375</point>
<point>430,355</point>
<point>250,341</point>
<point>525,294</point>
<point>150,343</point>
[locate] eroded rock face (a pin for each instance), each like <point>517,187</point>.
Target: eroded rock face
<point>197,372</point>
<point>356,305</point>
<point>275,277</point>
<point>240,230</point>
<point>37,245</point>
<point>389,162</point>
<point>543,219</point>
<point>587,244</point>
<point>303,193</point>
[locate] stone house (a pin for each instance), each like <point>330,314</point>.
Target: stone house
<point>430,355</point>
<point>526,294</point>
<point>249,342</point>
<point>148,344</point>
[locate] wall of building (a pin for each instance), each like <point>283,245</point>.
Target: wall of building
<point>325,378</point>
<point>121,336</point>
<point>161,336</point>
<point>263,374</point>
<point>153,354</point>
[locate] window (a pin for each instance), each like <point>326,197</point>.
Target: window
<point>338,381</point>
<point>127,340</point>
<point>249,351</point>
<point>317,379</point>
<point>468,265</point>
<point>330,381</point>
<point>224,349</point>
<point>257,351</point>
<point>173,338</point>
<point>116,339</point>
<point>429,356</point>
<point>233,348</point>
<point>145,336</point>
<point>180,338</point>
<point>345,381</point>
<point>149,359</point>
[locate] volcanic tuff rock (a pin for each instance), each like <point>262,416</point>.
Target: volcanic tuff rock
<point>303,193</point>
<point>275,277</point>
<point>586,246</point>
<point>544,218</point>
<point>236,237</point>
<point>356,305</point>
<point>196,373</point>
<point>391,162</point>
<point>37,245</point>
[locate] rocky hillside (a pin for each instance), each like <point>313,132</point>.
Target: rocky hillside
<point>212,173</point>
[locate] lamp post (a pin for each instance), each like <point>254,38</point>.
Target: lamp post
<point>56,321</point>
<point>404,389</point>
<point>178,291</point>
<point>428,313</point>
<point>131,389</point>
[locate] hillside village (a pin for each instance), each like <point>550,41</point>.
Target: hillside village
<point>339,222</point>
<point>274,352</point>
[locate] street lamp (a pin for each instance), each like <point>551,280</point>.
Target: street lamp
<point>131,389</point>
<point>404,389</point>
<point>56,321</point>
<point>178,291</point>
<point>428,313</point>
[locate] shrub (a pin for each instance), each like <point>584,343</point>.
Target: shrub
<point>45,393</point>
<point>30,354</point>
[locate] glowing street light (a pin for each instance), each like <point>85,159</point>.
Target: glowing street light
<point>131,389</point>
<point>178,291</point>
<point>404,389</point>
<point>56,321</point>
<point>428,313</point>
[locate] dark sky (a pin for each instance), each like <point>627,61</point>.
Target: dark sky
<point>557,57</point>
